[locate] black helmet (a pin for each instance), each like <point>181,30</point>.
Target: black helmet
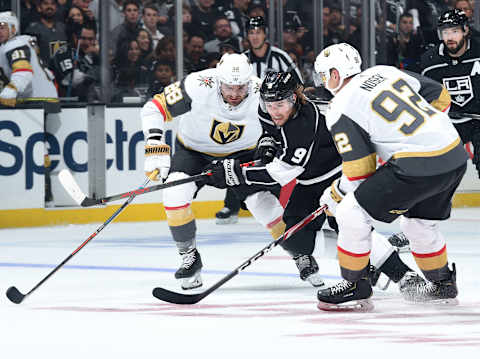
<point>256,22</point>
<point>277,86</point>
<point>452,18</point>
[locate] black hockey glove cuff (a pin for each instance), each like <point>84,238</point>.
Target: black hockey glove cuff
<point>226,173</point>
<point>266,149</point>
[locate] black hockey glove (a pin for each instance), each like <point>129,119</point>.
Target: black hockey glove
<point>226,173</point>
<point>266,149</point>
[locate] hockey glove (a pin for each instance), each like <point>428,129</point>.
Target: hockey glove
<point>8,96</point>
<point>331,197</point>
<point>266,149</point>
<point>226,173</point>
<point>157,156</point>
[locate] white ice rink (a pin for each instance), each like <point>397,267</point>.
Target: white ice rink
<point>100,305</point>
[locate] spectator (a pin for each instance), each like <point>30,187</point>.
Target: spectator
<point>87,12</point>
<point>163,75</point>
<point>405,47</point>
<point>291,41</point>
<point>203,16</point>
<point>228,46</point>
<point>223,32</point>
<point>126,31</point>
<point>195,59</point>
<point>213,58</point>
<point>77,67</point>
<point>237,13</point>
<point>425,15</point>
<point>150,22</point>
<point>145,43</point>
<point>74,22</point>
<point>128,73</point>
<point>264,56</point>
<point>49,32</point>
<point>467,8</point>
<point>29,14</point>
<point>165,50</point>
<point>169,26</point>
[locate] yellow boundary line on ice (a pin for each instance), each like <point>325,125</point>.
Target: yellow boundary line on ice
<point>143,212</point>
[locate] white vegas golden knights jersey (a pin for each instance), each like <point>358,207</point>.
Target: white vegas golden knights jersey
<point>398,116</point>
<point>207,124</point>
<point>18,55</point>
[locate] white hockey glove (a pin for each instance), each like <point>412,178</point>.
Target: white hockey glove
<point>8,96</point>
<point>157,157</point>
<point>331,197</point>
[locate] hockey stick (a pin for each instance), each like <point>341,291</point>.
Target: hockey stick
<point>180,298</point>
<point>73,189</point>
<point>15,296</point>
<point>71,186</point>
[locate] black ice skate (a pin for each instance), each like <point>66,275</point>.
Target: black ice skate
<point>400,242</point>
<point>226,216</point>
<point>308,269</point>
<point>189,271</point>
<point>415,289</point>
<point>346,296</point>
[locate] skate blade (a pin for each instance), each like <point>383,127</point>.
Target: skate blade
<point>192,282</point>
<point>229,220</point>
<point>316,281</point>
<point>361,305</point>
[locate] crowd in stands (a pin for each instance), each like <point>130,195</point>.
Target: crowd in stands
<point>142,45</point>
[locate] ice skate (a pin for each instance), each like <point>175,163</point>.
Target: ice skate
<point>189,271</point>
<point>226,216</point>
<point>416,289</point>
<point>308,269</point>
<point>400,242</point>
<point>346,296</point>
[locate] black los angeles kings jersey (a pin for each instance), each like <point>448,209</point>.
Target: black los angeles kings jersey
<point>306,151</point>
<point>460,76</point>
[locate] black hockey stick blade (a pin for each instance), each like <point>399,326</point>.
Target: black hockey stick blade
<point>176,298</point>
<point>180,298</point>
<point>14,295</point>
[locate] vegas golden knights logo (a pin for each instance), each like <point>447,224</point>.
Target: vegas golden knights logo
<point>225,132</point>
<point>55,45</point>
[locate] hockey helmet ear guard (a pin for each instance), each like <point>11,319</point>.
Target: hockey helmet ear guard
<point>342,57</point>
<point>452,18</point>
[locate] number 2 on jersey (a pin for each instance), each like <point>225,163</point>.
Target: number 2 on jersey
<point>390,106</point>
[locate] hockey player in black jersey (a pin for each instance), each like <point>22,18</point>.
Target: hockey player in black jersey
<point>456,64</point>
<point>296,144</point>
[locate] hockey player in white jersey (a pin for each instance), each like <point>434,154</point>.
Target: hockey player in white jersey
<point>26,78</point>
<point>397,116</point>
<point>218,118</point>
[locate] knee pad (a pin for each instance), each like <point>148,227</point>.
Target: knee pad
<point>354,225</point>
<point>267,210</point>
<point>178,195</point>
<point>424,235</point>
<point>264,206</point>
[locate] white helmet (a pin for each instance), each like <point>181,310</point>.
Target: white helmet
<point>342,57</point>
<point>8,17</point>
<point>234,69</point>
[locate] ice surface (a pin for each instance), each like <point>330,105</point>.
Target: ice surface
<point>100,305</point>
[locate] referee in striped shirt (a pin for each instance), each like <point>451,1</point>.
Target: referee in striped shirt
<point>265,57</point>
